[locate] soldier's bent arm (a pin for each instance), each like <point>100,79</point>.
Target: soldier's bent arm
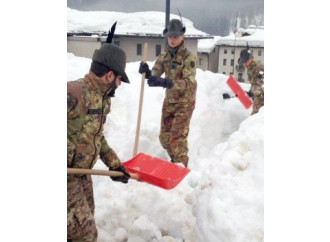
<point>158,68</point>
<point>108,155</point>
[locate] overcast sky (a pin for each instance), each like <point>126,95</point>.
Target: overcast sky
<point>215,17</point>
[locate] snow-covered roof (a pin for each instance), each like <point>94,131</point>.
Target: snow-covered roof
<point>140,23</point>
<point>255,38</point>
<point>207,45</point>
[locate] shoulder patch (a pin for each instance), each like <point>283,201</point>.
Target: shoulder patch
<point>192,63</point>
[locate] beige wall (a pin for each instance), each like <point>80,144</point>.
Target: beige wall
<point>203,61</point>
<point>84,46</point>
<point>227,69</point>
<point>210,61</point>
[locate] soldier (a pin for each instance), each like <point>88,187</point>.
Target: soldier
<point>88,104</point>
<point>256,78</point>
<point>179,65</point>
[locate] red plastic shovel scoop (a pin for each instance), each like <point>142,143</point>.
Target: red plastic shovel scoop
<point>156,171</point>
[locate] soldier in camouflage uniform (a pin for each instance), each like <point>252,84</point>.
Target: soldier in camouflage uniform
<point>256,77</point>
<point>88,104</point>
<point>179,65</point>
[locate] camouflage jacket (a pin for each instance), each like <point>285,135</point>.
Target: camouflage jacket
<point>88,105</point>
<point>256,77</point>
<point>179,66</point>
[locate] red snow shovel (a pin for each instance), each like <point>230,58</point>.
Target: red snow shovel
<point>239,92</point>
<point>145,168</point>
<point>156,171</point>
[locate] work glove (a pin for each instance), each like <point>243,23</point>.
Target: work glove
<point>155,81</point>
<point>144,68</point>
<point>124,178</point>
<point>249,93</point>
<point>225,95</point>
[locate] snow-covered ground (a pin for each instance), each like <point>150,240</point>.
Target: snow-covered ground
<point>220,200</point>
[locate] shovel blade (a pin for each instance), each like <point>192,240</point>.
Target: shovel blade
<point>156,171</point>
<point>239,92</point>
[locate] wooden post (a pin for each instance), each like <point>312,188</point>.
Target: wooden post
<point>137,134</point>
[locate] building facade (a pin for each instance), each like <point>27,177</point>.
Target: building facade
<point>228,60</point>
<point>84,45</point>
<point>208,60</point>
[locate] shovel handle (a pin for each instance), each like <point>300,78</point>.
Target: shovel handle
<point>99,172</point>
<point>137,133</point>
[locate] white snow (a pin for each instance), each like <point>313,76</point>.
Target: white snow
<point>256,38</point>
<point>207,45</point>
<point>149,22</point>
<point>220,200</point>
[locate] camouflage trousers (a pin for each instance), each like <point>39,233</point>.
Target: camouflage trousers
<point>175,128</point>
<point>258,102</point>
<point>80,209</point>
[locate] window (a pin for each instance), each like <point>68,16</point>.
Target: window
<point>240,77</point>
<point>225,51</point>
<point>232,51</point>
<point>200,61</point>
<point>232,62</point>
<point>117,42</point>
<point>259,52</point>
<point>138,49</point>
<point>158,49</point>
<point>224,62</point>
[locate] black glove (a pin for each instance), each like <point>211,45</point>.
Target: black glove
<point>225,95</point>
<point>144,68</point>
<point>124,178</point>
<point>155,81</point>
<point>249,93</point>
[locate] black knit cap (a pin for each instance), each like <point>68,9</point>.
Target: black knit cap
<point>174,28</point>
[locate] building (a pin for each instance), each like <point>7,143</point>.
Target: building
<point>208,54</point>
<point>221,54</point>
<point>84,44</point>
<point>87,31</point>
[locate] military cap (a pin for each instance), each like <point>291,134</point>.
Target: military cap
<point>244,56</point>
<point>174,28</point>
<point>113,57</point>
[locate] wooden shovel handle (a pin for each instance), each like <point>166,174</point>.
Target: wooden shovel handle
<point>137,133</point>
<point>99,172</point>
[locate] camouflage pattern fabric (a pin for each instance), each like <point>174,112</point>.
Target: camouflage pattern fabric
<point>88,104</point>
<point>256,78</point>
<point>174,130</point>
<point>87,108</point>
<point>179,102</point>
<point>80,209</point>
<point>179,66</point>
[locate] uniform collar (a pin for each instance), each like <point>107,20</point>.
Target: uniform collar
<point>95,82</point>
<point>177,49</point>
